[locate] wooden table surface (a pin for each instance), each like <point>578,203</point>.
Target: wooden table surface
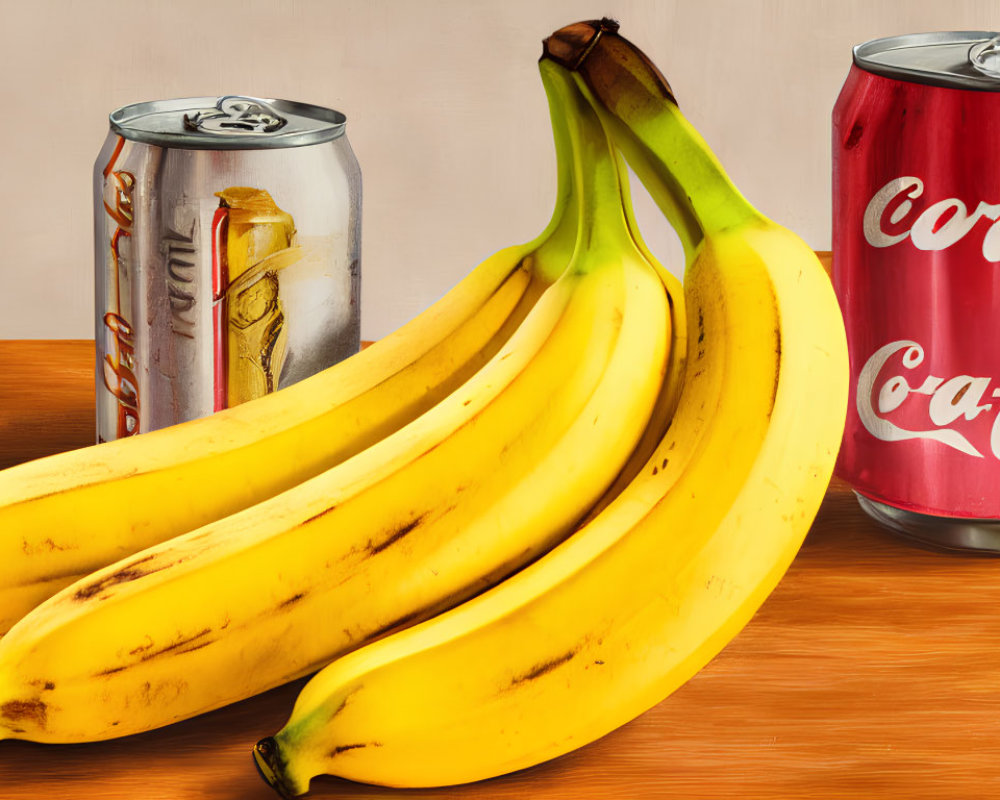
<point>872,672</point>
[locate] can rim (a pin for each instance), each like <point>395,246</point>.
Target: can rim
<point>313,124</point>
<point>864,57</point>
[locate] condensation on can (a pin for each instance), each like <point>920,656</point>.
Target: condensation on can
<point>227,248</point>
<point>916,248</point>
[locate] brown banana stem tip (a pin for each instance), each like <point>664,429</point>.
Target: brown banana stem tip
<point>595,46</point>
<point>570,45</point>
<point>268,762</point>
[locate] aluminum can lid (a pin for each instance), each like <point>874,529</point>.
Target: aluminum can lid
<point>954,59</point>
<point>232,122</point>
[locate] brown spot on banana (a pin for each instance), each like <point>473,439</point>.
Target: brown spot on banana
<point>315,517</point>
<point>420,614</point>
<point>142,647</point>
<point>196,647</point>
<point>170,648</point>
<point>777,372</point>
<point>374,548</point>
<point>291,601</point>
<point>130,572</point>
<point>177,644</point>
<point>34,711</point>
<point>343,748</point>
<point>343,702</point>
<point>47,545</point>
<point>544,667</point>
<point>403,621</point>
<point>498,573</point>
<point>464,593</point>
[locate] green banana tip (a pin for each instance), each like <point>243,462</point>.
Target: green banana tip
<point>268,762</point>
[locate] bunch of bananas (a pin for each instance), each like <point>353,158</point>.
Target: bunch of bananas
<point>499,533</point>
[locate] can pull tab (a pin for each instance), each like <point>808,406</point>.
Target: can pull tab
<point>236,114</point>
<point>985,57</point>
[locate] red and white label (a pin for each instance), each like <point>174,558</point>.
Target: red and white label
<point>916,267</point>
<point>892,383</point>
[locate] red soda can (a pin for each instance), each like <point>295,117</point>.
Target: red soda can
<point>916,267</point>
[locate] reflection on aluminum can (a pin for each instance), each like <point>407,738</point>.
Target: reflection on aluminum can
<point>227,251</point>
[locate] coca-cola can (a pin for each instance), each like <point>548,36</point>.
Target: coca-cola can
<point>227,243</point>
<point>916,267</point>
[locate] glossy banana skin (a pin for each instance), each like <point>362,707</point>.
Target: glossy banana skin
<point>491,477</point>
<point>67,515</point>
<point>638,599</point>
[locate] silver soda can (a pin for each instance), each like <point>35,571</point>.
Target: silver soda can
<point>227,243</point>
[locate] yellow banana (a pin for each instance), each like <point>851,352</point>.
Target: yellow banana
<point>64,516</point>
<point>484,482</point>
<point>634,602</point>
<point>666,404</point>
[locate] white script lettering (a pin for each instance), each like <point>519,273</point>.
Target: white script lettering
<point>958,397</point>
<point>936,227</point>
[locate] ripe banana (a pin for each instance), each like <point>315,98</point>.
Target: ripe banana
<point>666,404</point>
<point>64,516</point>
<point>637,600</point>
<point>485,481</point>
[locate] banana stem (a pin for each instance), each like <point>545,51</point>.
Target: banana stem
<point>602,220</point>
<point>681,173</point>
<point>560,234</point>
<point>667,192</point>
<point>637,107</point>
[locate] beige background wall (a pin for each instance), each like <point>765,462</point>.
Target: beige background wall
<point>446,115</point>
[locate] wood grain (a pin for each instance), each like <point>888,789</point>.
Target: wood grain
<point>871,671</point>
<point>46,398</point>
